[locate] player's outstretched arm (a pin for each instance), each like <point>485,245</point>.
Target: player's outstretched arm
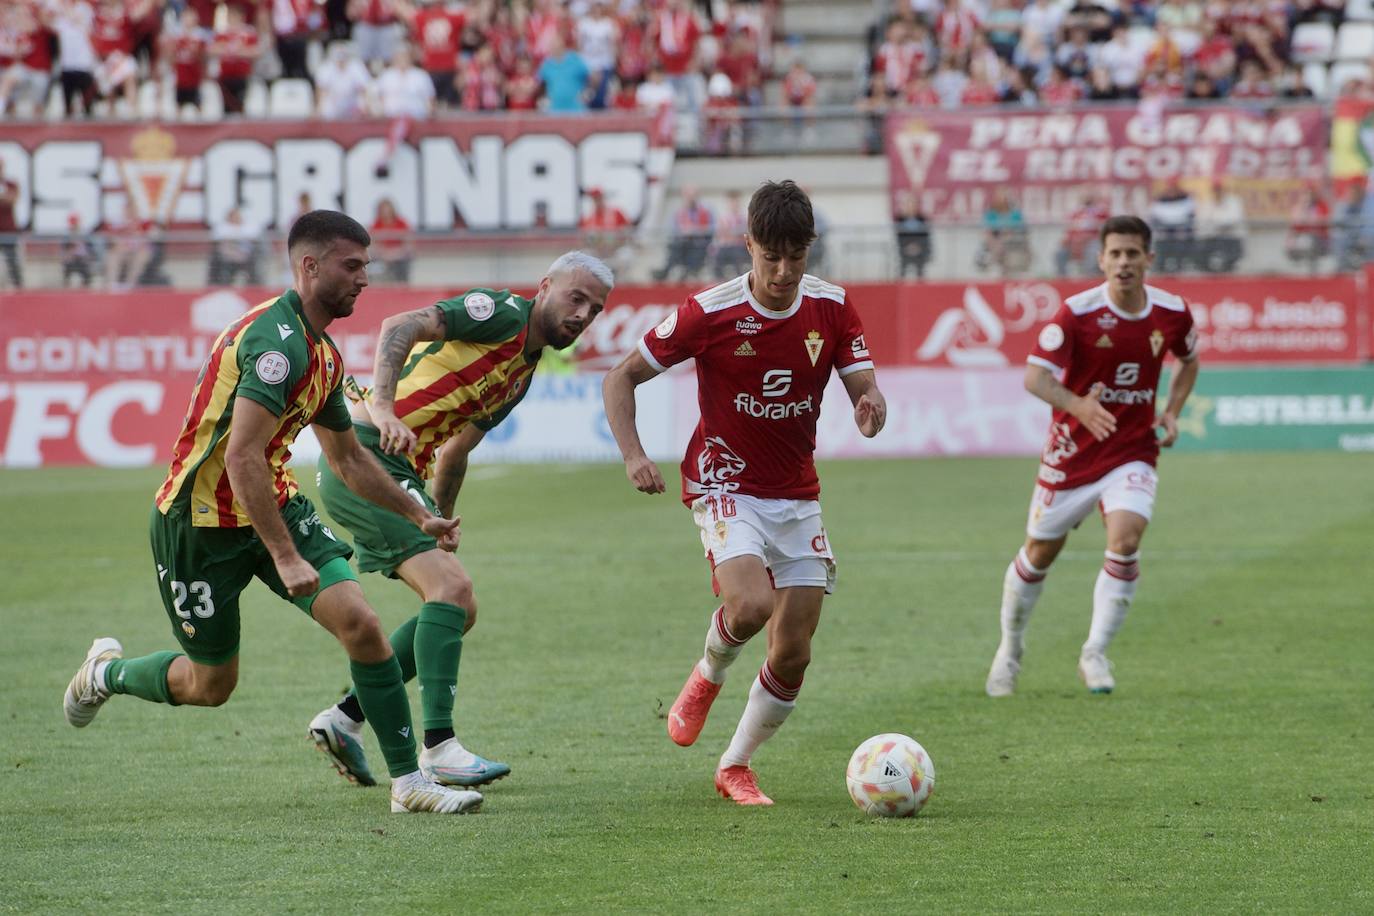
<point>245,460</point>
<point>1087,408</point>
<point>399,334</point>
<point>364,475</point>
<point>452,467</point>
<point>870,407</point>
<point>618,394</point>
<point>1179,389</point>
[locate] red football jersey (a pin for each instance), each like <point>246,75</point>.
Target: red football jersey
<point>1090,340</point>
<point>760,378</point>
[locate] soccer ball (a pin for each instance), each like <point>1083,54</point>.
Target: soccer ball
<point>890,776</point>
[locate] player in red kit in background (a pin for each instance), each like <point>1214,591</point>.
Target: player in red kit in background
<point>1109,344</point>
<point>765,345</point>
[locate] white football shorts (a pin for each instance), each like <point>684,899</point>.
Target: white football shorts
<point>787,534</point>
<point>1054,513</point>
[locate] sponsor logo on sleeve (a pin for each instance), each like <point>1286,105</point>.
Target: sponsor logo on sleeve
<point>666,327</point>
<point>272,367</point>
<point>859,347</point>
<point>480,306</point>
<point>1051,337</point>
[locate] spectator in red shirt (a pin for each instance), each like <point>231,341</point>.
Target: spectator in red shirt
<point>1059,90</point>
<point>483,84</point>
<point>693,226</point>
<point>740,62</point>
<point>186,50</point>
<point>632,54</point>
<point>676,34</point>
<point>544,25</point>
<point>522,88</point>
<point>980,90</point>
<point>237,46</point>
<point>1309,230</point>
<point>391,243</point>
<point>799,90</point>
<point>112,37</point>
<point>623,96</point>
<point>605,229</point>
<point>436,30</point>
<point>29,72</point>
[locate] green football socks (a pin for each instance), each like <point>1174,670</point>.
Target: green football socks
<point>144,677</point>
<point>382,694</point>
<point>438,649</point>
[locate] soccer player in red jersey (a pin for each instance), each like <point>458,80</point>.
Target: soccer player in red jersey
<point>1108,344</point>
<point>765,345</point>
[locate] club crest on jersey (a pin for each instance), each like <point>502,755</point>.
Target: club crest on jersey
<point>1106,321</point>
<point>329,365</point>
<point>813,345</point>
<point>480,306</point>
<point>1156,341</point>
<point>272,367</point>
<point>1104,341</point>
<point>746,349</point>
<point>666,326</point>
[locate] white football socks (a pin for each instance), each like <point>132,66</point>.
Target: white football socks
<point>1112,597</point>
<point>1021,588</point>
<point>770,703</point>
<point>722,648</point>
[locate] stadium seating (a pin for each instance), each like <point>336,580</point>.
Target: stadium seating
<point>1313,42</point>
<point>291,98</point>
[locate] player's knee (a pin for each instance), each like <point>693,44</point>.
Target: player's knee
<point>361,633</point>
<point>746,614</point>
<point>211,690</point>
<point>456,590</point>
<point>1124,544</point>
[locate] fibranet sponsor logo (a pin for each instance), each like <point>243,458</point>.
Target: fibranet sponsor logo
<point>1128,396</point>
<point>746,403</point>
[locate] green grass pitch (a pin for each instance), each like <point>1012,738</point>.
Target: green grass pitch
<point>1230,772</point>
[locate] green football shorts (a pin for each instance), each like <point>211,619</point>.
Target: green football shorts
<point>384,539</point>
<point>202,571</point>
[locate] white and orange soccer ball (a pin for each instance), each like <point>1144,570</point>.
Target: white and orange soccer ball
<point>890,775</point>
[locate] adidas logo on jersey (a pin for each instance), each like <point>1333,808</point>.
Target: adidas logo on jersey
<point>1104,341</point>
<point>745,349</point>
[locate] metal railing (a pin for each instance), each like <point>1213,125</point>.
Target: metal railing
<point>843,253</point>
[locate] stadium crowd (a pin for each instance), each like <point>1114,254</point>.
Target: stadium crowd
<point>389,58</point>
<point>966,53</point>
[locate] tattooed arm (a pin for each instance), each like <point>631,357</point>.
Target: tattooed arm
<point>399,334</point>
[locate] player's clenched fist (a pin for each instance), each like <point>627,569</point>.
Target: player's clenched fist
<point>299,577</point>
<point>443,530</point>
<point>643,473</point>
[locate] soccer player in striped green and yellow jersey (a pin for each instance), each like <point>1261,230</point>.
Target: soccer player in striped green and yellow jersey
<point>229,511</point>
<point>444,376</point>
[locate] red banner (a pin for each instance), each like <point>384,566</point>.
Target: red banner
<point>479,174</point>
<point>104,378</point>
<point>951,161</point>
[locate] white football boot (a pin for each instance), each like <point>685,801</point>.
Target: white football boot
<point>1096,672</point>
<point>341,740</point>
<point>84,695</point>
<point>413,793</point>
<point>450,764</point>
<point>1002,676</point>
